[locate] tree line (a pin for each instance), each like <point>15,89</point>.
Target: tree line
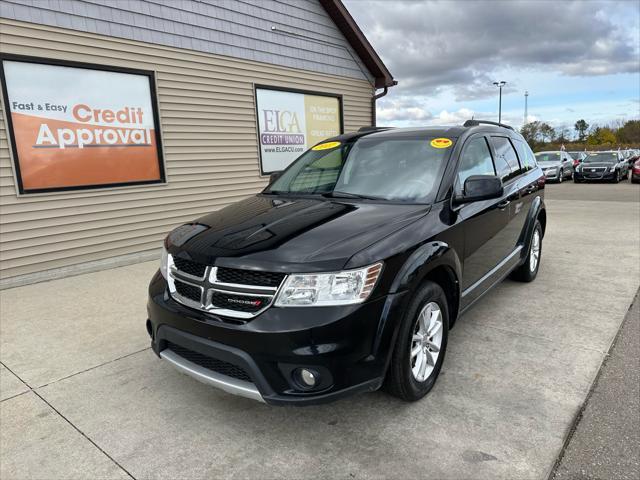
<point>541,135</point>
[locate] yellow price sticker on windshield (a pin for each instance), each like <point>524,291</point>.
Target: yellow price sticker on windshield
<point>326,146</point>
<point>441,143</point>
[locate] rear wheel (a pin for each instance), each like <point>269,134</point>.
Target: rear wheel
<point>528,271</point>
<point>420,346</point>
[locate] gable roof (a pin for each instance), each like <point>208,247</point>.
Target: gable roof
<point>349,28</point>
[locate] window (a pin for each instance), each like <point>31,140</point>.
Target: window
<point>78,126</point>
<point>475,160</point>
<point>507,164</point>
<point>397,169</point>
<point>525,155</point>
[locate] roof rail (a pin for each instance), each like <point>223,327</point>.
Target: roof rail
<point>475,123</point>
<point>373,129</point>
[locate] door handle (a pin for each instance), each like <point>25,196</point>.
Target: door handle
<point>504,204</point>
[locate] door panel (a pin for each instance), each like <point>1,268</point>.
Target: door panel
<point>487,241</point>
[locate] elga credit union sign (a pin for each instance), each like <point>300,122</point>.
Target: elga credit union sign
<point>81,127</point>
<point>290,122</point>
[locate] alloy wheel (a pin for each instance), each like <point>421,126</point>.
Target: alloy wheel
<point>426,341</point>
<point>534,255</point>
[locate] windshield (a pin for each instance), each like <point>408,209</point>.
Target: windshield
<point>398,169</point>
<point>602,157</point>
<point>576,155</point>
<point>547,157</point>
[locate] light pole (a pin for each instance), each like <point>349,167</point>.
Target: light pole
<point>526,106</point>
<point>500,85</point>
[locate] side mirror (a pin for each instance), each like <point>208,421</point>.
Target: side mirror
<point>274,176</point>
<point>480,187</point>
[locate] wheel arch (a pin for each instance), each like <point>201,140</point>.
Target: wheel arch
<point>438,262</point>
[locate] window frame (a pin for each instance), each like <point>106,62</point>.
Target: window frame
<point>513,174</point>
<point>457,188</point>
<point>151,76</point>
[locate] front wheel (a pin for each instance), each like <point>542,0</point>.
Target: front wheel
<point>420,346</point>
<point>616,178</point>
<point>528,271</point>
<point>560,176</point>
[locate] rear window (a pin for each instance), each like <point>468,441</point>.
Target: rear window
<point>527,159</point>
<point>602,157</point>
<point>548,157</point>
<point>506,160</point>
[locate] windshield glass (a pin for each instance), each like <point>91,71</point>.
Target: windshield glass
<point>547,157</point>
<point>602,157</point>
<point>575,155</point>
<point>398,169</point>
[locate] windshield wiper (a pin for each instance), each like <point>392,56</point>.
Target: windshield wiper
<point>338,194</point>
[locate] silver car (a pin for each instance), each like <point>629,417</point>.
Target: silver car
<point>557,166</point>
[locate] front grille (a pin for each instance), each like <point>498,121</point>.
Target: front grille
<point>190,268</point>
<point>239,303</point>
<point>219,366</point>
<point>188,291</point>
<point>249,277</point>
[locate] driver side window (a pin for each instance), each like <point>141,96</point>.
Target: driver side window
<point>475,160</point>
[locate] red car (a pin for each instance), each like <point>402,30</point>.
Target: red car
<point>635,172</point>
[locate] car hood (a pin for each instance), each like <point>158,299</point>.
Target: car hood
<point>289,234</point>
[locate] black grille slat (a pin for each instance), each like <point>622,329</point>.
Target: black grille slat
<point>188,291</point>
<point>191,268</point>
<point>239,303</point>
<point>249,277</point>
<point>210,363</point>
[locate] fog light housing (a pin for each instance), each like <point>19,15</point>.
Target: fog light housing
<point>307,378</point>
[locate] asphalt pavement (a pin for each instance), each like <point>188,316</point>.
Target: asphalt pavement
<point>605,442</point>
<point>82,396</point>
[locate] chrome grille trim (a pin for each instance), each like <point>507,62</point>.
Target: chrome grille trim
<point>209,284</point>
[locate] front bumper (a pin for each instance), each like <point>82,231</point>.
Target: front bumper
<point>551,175</point>
<point>347,346</point>
<point>596,176</point>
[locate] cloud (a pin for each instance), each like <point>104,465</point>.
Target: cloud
<point>460,47</point>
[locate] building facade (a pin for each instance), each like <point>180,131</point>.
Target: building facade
<point>211,93</point>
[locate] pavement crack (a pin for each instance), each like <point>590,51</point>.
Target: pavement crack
<point>84,435</point>
<point>32,390</point>
<point>93,368</point>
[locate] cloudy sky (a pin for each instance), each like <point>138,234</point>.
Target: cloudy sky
<point>577,59</point>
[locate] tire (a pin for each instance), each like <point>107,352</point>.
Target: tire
<point>525,272</point>
<point>575,180</point>
<point>560,176</point>
<point>401,381</point>
<point>616,179</point>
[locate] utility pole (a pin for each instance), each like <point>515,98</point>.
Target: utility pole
<point>526,109</point>
<point>500,85</point>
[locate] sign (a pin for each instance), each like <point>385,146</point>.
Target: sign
<point>291,121</point>
<point>76,127</point>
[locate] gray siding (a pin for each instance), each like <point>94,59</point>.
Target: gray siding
<point>235,28</point>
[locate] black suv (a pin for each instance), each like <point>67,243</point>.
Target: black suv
<point>347,272</point>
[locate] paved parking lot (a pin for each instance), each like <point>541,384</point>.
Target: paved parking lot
<point>83,396</point>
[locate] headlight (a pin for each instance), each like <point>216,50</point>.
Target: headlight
<point>551,170</point>
<point>164,262</point>
<point>612,169</point>
<point>322,289</point>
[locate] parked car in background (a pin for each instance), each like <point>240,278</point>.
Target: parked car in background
<point>577,158</point>
<point>631,156</point>
<point>346,273</point>
<point>635,172</point>
<point>557,166</point>
<point>610,166</point>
